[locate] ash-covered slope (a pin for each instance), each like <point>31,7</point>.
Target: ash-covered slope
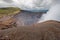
<point>49,30</point>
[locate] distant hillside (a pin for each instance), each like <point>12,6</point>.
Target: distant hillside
<point>9,11</point>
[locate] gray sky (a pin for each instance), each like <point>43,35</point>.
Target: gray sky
<point>26,4</point>
<point>8,1</point>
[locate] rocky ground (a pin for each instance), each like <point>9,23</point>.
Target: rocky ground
<point>6,17</point>
<point>49,30</point>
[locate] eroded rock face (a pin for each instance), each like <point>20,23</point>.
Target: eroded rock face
<point>6,17</point>
<point>49,30</point>
<point>7,22</point>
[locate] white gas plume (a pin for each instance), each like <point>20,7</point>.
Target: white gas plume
<point>53,13</point>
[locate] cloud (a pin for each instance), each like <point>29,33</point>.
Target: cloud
<point>28,4</point>
<point>33,4</point>
<point>5,3</point>
<point>8,1</point>
<point>53,13</point>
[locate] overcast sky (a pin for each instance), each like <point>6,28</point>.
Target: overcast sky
<point>27,4</point>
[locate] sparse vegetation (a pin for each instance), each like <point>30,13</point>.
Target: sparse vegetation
<point>9,11</point>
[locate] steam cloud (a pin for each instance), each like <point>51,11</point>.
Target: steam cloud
<point>53,13</point>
